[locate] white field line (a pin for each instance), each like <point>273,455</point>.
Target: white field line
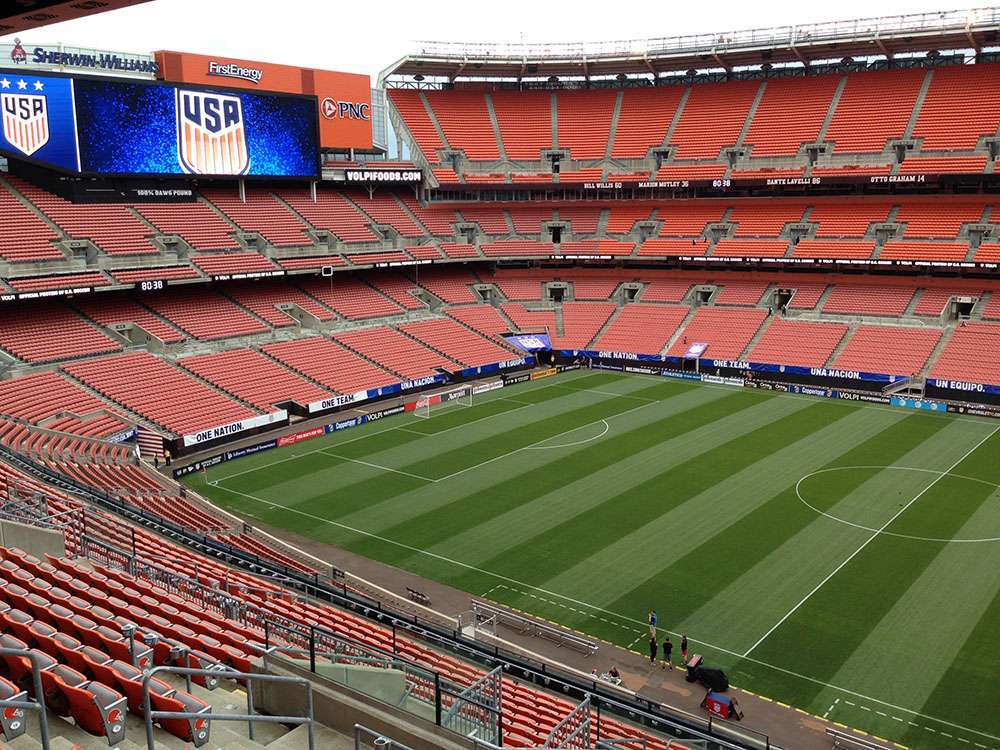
<point>379,466</point>
<point>869,540</point>
<point>595,608</point>
<point>389,429</point>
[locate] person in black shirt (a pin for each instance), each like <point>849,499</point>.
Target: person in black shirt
<point>653,648</point>
<point>684,648</point>
<point>668,649</point>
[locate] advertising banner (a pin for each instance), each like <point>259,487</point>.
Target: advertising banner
<point>234,428</point>
<point>530,342</point>
<point>343,101</point>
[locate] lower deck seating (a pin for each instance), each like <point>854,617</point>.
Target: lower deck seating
<point>457,342</point>
<point>581,322</point>
<point>451,285</point>
<point>482,318</point>
<point>108,310</point>
<point>252,377</point>
<point>46,394</point>
<point>972,354</point>
<point>726,331</point>
<point>351,297</point>
<point>642,329</point>
<point>800,343</point>
<point>395,351</point>
<point>263,298</point>
<point>159,392</point>
<point>329,364</point>
<point>893,350</point>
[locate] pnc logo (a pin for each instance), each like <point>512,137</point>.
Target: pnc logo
<point>338,110</point>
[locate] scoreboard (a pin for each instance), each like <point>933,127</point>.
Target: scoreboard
<point>118,127</point>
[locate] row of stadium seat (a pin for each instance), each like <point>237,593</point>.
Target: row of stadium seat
<point>699,120</point>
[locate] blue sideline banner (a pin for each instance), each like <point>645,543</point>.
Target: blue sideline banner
<point>963,387</point>
<point>918,403</point>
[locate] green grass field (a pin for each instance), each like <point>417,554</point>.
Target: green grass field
<point>843,558</point>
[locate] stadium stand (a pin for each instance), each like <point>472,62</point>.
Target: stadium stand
<point>960,107</point>
<point>726,331</point>
<point>203,314</point>
<point>585,121</point>
<point>331,211</point>
<point>790,114</point>
<point>397,287</point>
<point>253,378</point>
<point>108,310</point>
<point>525,120</point>
<point>329,364</point>
<point>457,342</point>
<point>712,118</point>
<point>645,117</point>
<point>971,354</point>
<point>483,319</point>
<point>800,343</point>
<point>873,108</point>
<point>411,106</point>
<point>261,213</point>
<point>196,223</point>
<point>351,297</point>
<point>24,237</point>
<point>466,122</point>
<point>868,300</point>
<point>159,392</point>
<point>49,332</point>
<point>642,329</point>
<point>59,281</point>
<point>41,396</point>
<point>394,352</point>
<point>898,351</point>
<point>227,264</point>
<point>263,297</point>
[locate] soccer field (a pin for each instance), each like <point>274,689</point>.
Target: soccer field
<point>840,557</point>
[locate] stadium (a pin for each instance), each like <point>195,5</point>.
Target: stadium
<point>627,394</point>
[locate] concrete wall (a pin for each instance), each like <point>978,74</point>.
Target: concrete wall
<point>33,539</point>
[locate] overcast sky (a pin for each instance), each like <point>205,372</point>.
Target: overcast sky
<point>366,37</point>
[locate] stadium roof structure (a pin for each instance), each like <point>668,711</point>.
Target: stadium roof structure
<point>887,36</point>
<point>32,14</point>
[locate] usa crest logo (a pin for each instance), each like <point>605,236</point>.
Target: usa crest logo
<point>25,121</point>
<point>211,133</point>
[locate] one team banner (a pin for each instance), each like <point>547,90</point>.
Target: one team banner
<point>111,127</point>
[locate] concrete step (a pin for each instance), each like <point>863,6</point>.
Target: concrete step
<point>603,329</point>
<point>495,124</point>
<point>326,738</point>
<point>756,337</point>
<point>680,330</point>
<point>936,352</point>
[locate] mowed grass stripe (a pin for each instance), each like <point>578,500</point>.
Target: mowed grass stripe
<point>501,481</point>
<point>567,499</point>
<point>355,486</point>
<point>970,686</point>
<point>540,557</point>
<point>926,613</point>
<point>512,489</point>
<point>476,453</point>
<point>680,589</point>
<point>655,546</point>
<point>824,631</point>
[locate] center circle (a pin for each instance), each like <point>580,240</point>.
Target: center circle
<point>939,474</point>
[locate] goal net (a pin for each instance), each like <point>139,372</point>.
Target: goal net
<point>457,398</point>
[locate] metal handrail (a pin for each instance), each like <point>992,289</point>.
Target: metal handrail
<point>250,716</point>
<point>39,703</point>
<point>380,740</point>
<point>878,27</point>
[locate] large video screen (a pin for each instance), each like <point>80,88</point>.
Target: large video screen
<point>121,127</point>
<point>38,119</point>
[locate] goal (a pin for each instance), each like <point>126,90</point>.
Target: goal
<point>456,398</point>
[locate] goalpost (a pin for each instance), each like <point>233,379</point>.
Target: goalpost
<point>456,398</point>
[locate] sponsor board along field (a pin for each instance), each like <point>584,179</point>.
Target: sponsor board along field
<point>838,556</point>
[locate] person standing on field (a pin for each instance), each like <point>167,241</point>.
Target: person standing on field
<point>684,648</point>
<point>651,618</point>
<point>653,648</point>
<point>668,650</point>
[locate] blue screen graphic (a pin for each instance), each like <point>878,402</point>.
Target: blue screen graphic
<point>37,117</point>
<point>127,127</point>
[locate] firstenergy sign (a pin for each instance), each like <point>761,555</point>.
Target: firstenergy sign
<point>343,100</point>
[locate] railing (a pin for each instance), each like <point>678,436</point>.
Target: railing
<point>668,719</point>
<point>975,19</point>
<point>201,720</point>
<point>361,734</point>
<point>19,705</point>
